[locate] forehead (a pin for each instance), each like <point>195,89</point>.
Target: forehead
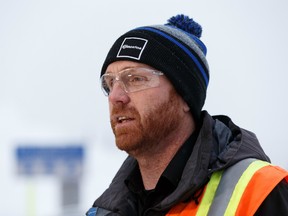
<point>121,65</point>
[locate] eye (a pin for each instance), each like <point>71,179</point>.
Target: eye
<point>137,79</point>
<point>108,82</point>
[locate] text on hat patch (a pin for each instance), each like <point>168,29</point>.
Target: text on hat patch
<point>132,47</point>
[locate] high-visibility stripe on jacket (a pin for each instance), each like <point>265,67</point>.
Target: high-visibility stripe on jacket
<point>239,190</point>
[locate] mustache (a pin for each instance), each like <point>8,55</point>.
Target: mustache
<point>123,111</point>
<point>130,112</point>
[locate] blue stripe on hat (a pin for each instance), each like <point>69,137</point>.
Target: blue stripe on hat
<point>187,51</point>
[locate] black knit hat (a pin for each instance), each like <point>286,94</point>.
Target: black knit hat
<point>173,48</point>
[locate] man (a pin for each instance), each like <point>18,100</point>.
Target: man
<point>182,161</point>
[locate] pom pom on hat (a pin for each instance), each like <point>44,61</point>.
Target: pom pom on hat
<point>185,23</point>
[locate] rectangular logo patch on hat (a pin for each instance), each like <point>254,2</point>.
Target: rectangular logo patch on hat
<point>132,47</point>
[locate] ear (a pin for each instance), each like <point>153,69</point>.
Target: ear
<point>186,108</point>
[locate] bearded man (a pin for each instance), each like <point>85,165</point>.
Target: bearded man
<point>182,161</point>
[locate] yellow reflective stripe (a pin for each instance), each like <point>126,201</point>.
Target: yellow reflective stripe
<point>241,186</point>
<point>209,194</point>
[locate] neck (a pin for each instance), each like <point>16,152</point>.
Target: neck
<point>152,166</point>
<point>152,163</point>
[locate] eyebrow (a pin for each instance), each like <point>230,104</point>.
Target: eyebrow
<point>125,68</point>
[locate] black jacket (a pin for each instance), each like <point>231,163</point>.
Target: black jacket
<point>220,144</point>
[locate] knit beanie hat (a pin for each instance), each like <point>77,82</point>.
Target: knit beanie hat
<point>173,48</point>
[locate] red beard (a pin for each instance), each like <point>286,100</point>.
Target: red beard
<point>142,134</point>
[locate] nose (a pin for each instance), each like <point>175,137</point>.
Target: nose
<point>118,94</point>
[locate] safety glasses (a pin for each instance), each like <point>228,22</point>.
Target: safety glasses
<point>131,79</point>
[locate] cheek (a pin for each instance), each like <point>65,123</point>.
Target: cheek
<point>110,107</point>
<point>143,105</point>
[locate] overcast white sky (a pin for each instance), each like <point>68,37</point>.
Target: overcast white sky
<point>50,57</point>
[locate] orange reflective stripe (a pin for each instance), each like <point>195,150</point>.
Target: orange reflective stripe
<point>175,211</point>
<point>258,188</point>
<point>262,183</point>
<point>186,209</point>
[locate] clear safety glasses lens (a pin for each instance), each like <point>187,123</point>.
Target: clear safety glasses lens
<point>132,80</point>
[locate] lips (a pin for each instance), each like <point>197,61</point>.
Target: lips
<point>122,119</point>
<point>121,122</point>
